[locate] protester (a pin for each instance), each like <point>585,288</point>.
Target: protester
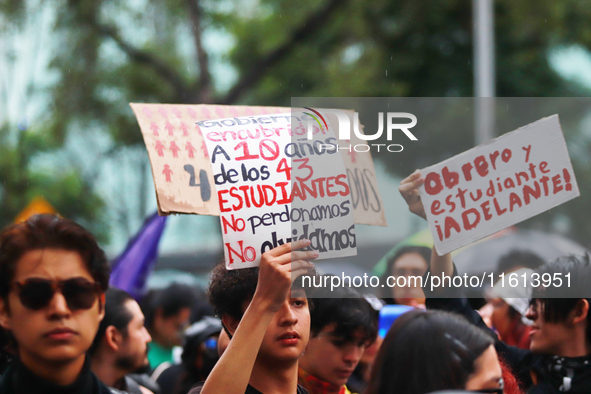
<point>53,277</point>
<point>408,262</point>
<point>426,351</point>
<point>342,326</point>
<point>121,343</point>
<point>198,359</point>
<point>559,355</point>
<point>167,314</point>
<point>267,325</point>
<point>508,306</point>
<point>361,376</point>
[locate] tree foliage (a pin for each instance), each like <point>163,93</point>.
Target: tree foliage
<point>109,53</point>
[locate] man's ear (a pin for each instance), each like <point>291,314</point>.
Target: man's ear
<point>580,311</point>
<point>230,323</point>
<point>113,338</point>
<point>102,306</point>
<point>5,320</point>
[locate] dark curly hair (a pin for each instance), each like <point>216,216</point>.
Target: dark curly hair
<point>229,289</point>
<point>47,231</point>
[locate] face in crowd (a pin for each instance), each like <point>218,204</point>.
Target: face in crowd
<point>53,307</point>
<point>53,276</point>
<point>409,265</point>
<point>332,358</point>
<point>288,333</point>
<point>133,350</point>
<point>169,329</point>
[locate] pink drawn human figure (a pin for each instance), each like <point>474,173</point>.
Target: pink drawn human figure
<point>147,111</point>
<point>205,112</point>
<point>192,113</point>
<point>169,127</point>
<point>184,128</point>
<point>174,148</point>
<point>160,148</point>
<point>167,173</point>
<point>190,149</point>
<point>204,149</point>
<point>352,153</point>
<point>163,112</point>
<point>233,111</point>
<point>154,127</point>
<point>220,112</point>
<point>176,112</point>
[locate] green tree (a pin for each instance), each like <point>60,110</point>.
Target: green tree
<point>110,53</point>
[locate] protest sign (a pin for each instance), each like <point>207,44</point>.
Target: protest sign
<point>252,160</point>
<point>177,152</point>
<point>498,184</point>
<point>184,181</point>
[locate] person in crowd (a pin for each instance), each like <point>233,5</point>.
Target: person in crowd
<point>559,355</point>
<point>360,378</point>
<point>508,306</point>
<point>199,356</point>
<point>341,328</point>
<point>53,277</point>
<point>121,343</point>
<point>426,351</point>
<point>408,261</point>
<point>167,313</point>
<point>267,320</point>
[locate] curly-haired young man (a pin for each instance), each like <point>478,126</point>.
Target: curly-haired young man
<point>268,323</point>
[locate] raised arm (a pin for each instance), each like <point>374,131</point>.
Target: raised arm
<point>409,189</point>
<point>278,268</point>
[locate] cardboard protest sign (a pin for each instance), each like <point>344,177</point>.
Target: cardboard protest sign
<point>252,161</point>
<point>177,152</point>
<point>184,181</point>
<point>498,184</point>
<point>368,206</point>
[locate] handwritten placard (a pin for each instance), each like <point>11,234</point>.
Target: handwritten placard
<point>188,190</point>
<point>264,201</point>
<point>498,184</point>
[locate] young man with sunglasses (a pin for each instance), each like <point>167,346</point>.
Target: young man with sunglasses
<point>53,277</point>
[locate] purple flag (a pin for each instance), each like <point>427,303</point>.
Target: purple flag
<point>131,269</point>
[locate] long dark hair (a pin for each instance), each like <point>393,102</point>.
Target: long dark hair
<point>426,351</point>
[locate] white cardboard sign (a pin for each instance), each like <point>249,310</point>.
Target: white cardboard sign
<point>498,184</point>
<point>264,202</point>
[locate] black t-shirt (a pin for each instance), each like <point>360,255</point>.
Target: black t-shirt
<point>18,379</point>
<point>249,389</point>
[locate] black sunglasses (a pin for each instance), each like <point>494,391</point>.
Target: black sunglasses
<point>37,293</point>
